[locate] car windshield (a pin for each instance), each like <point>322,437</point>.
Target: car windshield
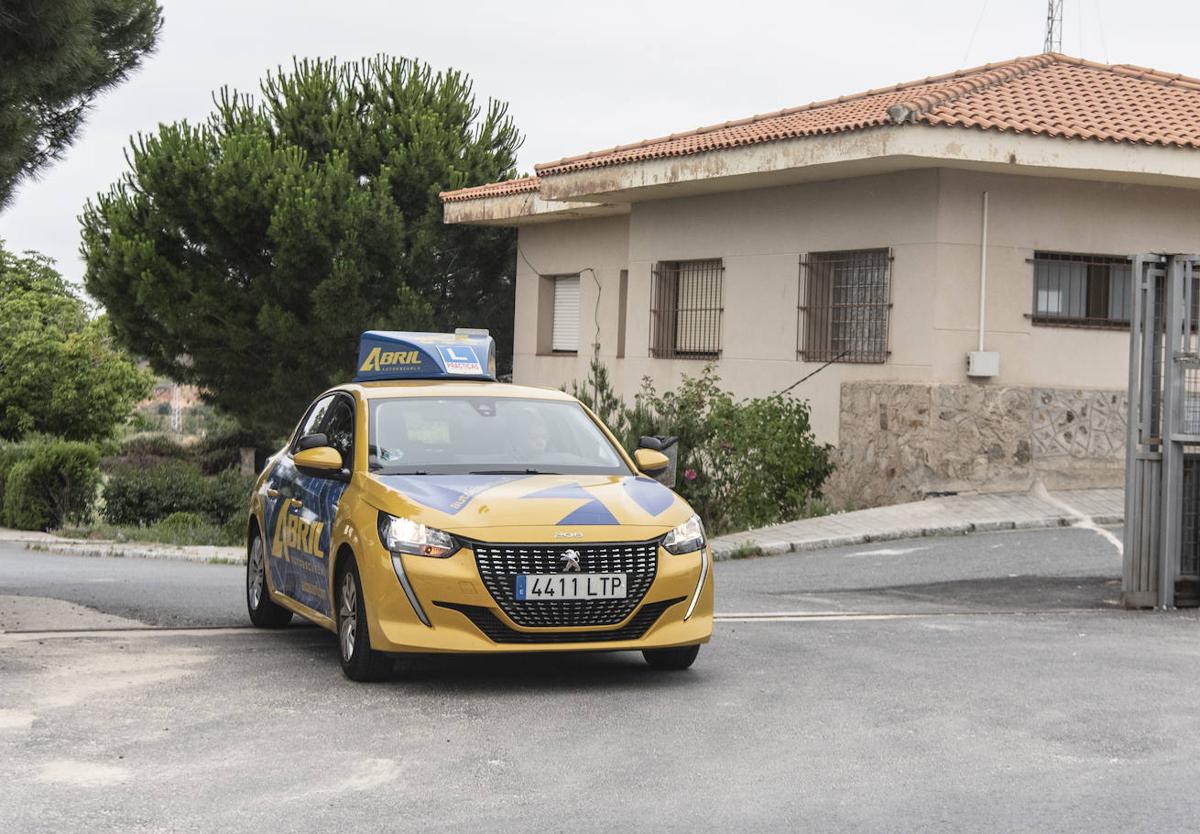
<point>488,435</point>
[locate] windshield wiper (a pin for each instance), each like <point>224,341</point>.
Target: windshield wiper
<point>512,472</point>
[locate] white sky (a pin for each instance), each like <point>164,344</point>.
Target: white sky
<point>579,76</point>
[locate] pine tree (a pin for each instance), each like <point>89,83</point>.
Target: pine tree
<point>56,57</point>
<point>246,254</point>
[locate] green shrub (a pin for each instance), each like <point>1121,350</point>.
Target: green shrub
<point>145,495</point>
<point>145,451</point>
<point>227,496</point>
<point>220,451</point>
<point>55,483</point>
<point>10,455</point>
<point>740,464</point>
<point>765,462</point>
<point>182,528</point>
<point>596,393</point>
<point>23,508</point>
<point>154,445</point>
<point>186,528</point>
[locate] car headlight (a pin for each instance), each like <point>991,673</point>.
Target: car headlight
<point>403,535</point>
<point>686,537</point>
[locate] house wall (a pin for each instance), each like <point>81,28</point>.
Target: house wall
<point>601,245</point>
<point>930,219</point>
<point>1029,214</point>
<point>759,235</point>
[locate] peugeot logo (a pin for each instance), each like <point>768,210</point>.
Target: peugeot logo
<point>570,560</point>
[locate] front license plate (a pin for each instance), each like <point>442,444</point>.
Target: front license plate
<point>532,586</point>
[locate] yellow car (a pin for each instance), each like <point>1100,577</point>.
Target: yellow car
<point>426,507</point>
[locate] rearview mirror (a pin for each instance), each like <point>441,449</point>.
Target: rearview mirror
<point>651,462</point>
<point>319,460</point>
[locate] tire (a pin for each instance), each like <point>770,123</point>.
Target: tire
<point>264,612</point>
<point>359,661</point>
<point>676,659</point>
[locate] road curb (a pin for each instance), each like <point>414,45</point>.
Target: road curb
<point>724,551</point>
<point>210,554</point>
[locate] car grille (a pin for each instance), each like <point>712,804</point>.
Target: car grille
<point>495,629</point>
<point>499,565</point>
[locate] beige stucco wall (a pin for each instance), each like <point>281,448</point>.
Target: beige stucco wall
<point>929,218</point>
<point>601,245</point>
<point>1028,214</point>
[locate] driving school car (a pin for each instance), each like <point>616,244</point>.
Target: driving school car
<point>426,507</point>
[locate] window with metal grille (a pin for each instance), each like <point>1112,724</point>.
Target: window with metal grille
<point>1081,290</point>
<point>685,309</point>
<point>845,303</point>
<point>564,336</point>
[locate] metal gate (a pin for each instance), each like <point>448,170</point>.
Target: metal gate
<point>1162,455</point>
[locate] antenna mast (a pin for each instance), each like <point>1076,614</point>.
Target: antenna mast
<point>1054,13</point>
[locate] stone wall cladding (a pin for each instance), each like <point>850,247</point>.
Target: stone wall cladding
<point>903,441</point>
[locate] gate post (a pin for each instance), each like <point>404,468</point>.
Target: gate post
<point>1143,455</point>
<point>1163,421</point>
<point>1176,310</point>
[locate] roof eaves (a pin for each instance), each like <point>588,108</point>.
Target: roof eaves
<point>520,185</point>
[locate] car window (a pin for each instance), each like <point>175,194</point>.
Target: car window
<point>312,422</point>
<point>453,435</point>
<point>338,427</point>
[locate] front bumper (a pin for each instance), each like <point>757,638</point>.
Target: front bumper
<point>461,615</point>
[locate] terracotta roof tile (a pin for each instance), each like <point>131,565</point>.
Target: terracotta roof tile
<point>1051,95</point>
<point>491,189</point>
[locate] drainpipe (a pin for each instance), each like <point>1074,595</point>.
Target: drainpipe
<point>983,271</point>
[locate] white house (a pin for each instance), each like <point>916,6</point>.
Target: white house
<point>851,233</point>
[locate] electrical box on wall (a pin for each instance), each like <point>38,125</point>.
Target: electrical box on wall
<point>983,363</point>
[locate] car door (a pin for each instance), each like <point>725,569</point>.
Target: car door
<point>314,505</point>
<point>282,504</point>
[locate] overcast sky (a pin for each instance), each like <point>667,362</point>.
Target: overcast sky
<point>583,76</point>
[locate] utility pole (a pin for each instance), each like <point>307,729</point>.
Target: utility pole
<point>176,409</point>
<point>1054,13</point>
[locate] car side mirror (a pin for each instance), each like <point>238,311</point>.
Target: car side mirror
<point>322,461</point>
<point>651,461</point>
<point>662,445</point>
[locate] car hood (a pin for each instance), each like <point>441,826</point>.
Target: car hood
<point>576,507</point>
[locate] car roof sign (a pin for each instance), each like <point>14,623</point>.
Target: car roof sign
<point>397,355</point>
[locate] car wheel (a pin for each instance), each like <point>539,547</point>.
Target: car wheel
<point>264,612</point>
<point>359,661</point>
<point>677,658</point>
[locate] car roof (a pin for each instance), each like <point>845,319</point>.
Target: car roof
<point>451,388</point>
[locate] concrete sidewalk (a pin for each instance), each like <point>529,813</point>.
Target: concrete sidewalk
<point>950,515</point>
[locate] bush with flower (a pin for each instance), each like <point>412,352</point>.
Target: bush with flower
<point>744,463</point>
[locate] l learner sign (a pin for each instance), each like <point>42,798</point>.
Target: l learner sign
<point>460,360</point>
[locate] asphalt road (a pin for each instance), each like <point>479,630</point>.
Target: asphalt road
<point>1013,570</point>
<point>970,684</point>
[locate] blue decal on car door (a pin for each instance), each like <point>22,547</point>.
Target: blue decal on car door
<point>309,535</point>
<point>280,490</point>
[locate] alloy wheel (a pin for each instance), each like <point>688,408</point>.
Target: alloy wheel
<point>255,575</point>
<point>348,615</point>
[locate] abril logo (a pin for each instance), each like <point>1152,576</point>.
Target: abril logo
<point>295,533</point>
<point>379,359</point>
